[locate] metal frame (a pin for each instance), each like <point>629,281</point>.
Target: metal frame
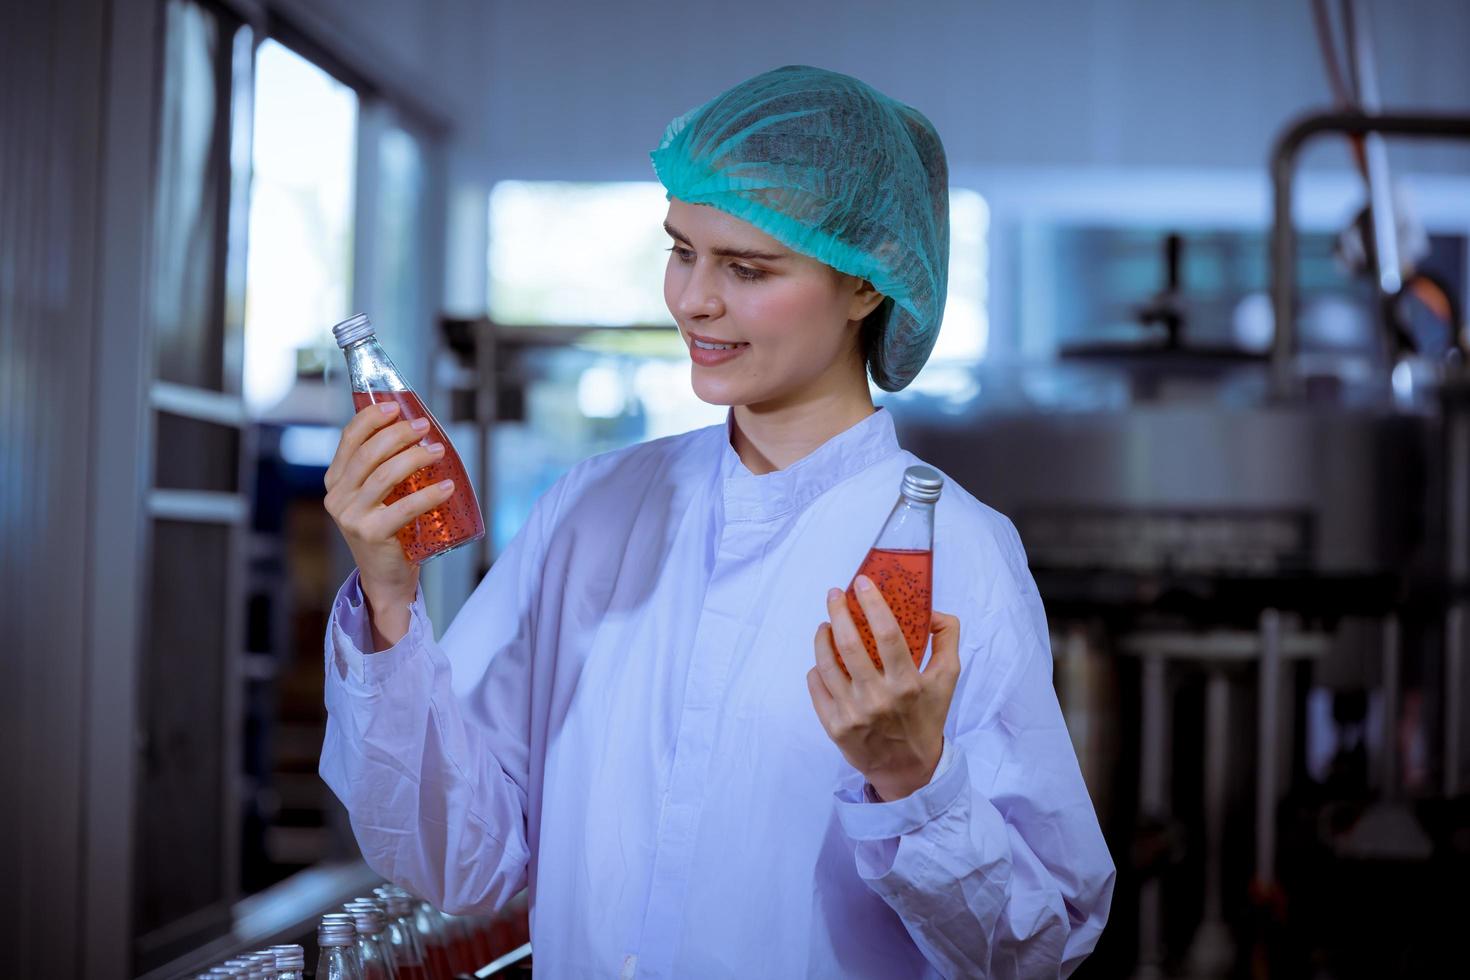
<point>298,899</point>
<point>299,24</point>
<point>121,463</point>
<point>1284,157</point>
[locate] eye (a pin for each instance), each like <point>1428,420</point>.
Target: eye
<point>685,255</point>
<point>747,273</point>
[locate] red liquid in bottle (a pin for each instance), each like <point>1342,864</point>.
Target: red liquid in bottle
<point>455,522</point>
<point>469,947</point>
<point>411,971</point>
<point>904,577</point>
<point>438,963</point>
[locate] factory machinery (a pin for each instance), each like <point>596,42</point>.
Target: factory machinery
<point>1261,600</point>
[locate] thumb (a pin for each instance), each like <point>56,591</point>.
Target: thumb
<point>945,658</point>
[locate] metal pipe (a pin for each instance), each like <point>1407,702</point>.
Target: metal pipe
<point>1454,684</point>
<point>1457,569</point>
<point>1267,751</point>
<point>1152,803</point>
<point>1283,232</point>
<point>1390,742</point>
<point>1375,157</point>
<point>1213,952</point>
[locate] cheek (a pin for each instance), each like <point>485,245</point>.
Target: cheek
<point>671,284</point>
<point>793,314</point>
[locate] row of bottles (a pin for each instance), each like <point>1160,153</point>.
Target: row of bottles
<point>276,963</point>
<point>394,936</point>
<point>390,935</point>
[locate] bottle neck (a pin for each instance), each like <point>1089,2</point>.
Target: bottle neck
<point>369,368</point>
<point>910,526</point>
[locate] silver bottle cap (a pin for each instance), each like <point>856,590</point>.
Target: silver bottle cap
<point>397,903</point>
<point>353,329</point>
<point>922,484</point>
<point>368,917</point>
<point>337,929</point>
<point>289,957</point>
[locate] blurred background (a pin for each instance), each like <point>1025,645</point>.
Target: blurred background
<point>1204,344</point>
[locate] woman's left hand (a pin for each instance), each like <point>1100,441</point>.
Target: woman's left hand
<point>889,725</point>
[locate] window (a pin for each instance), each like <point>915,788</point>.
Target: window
<point>577,254</point>
<point>275,183</point>
<point>299,270</point>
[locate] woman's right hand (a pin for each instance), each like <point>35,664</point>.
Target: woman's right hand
<point>378,451</point>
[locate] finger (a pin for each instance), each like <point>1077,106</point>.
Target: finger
<point>839,684</point>
<point>393,518</point>
<point>395,470</point>
<point>848,640</point>
<point>944,661</point>
<point>382,444</point>
<point>893,646</point>
<point>370,419</point>
<point>822,699</point>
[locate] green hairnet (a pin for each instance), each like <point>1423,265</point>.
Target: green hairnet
<point>834,169</point>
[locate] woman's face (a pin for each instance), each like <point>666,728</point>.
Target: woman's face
<point>794,320</point>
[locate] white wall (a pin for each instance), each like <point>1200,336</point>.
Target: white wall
<point>583,89</point>
<point>577,89</point>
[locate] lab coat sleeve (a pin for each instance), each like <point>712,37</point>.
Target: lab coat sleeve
<point>997,867</point>
<point>426,746</point>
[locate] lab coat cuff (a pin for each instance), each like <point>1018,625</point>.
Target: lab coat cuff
<point>863,819</point>
<point>352,637</point>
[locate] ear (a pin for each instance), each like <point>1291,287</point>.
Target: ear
<point>865,300</point>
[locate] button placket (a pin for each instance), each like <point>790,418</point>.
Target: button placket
<point>721,632</point>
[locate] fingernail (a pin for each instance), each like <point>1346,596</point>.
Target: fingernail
<point>833,594</point>
<point>863,583</point>
<point>387,408</point>
<point>436,448</point>
<point>419,425</point>
<point>446,484</point>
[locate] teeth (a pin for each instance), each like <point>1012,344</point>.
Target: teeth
<point>703,346</point>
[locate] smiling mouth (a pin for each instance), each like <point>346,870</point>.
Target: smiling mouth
<point>704,344</point>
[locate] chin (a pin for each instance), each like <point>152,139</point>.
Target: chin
<point>718,394</point>
<point>747,396</point>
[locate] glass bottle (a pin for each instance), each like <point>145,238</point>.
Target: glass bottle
<point>336,937</point>
<point>483,927</point>
<point>290,962</point>
<point>463,954</point>
<point>432,937</point>
<point>408,952</point>
<point>901,564</point>
<point>262,965</point>
<point>372,947</point>
<point>374,378</point>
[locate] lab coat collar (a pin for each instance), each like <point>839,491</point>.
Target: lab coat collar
<point>749,497</point>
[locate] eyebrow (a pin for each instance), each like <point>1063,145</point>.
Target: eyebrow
<point>728,253</point>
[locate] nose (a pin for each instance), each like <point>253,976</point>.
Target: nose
<point>698,298</point>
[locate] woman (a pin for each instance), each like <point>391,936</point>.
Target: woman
<point>639,711</point>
